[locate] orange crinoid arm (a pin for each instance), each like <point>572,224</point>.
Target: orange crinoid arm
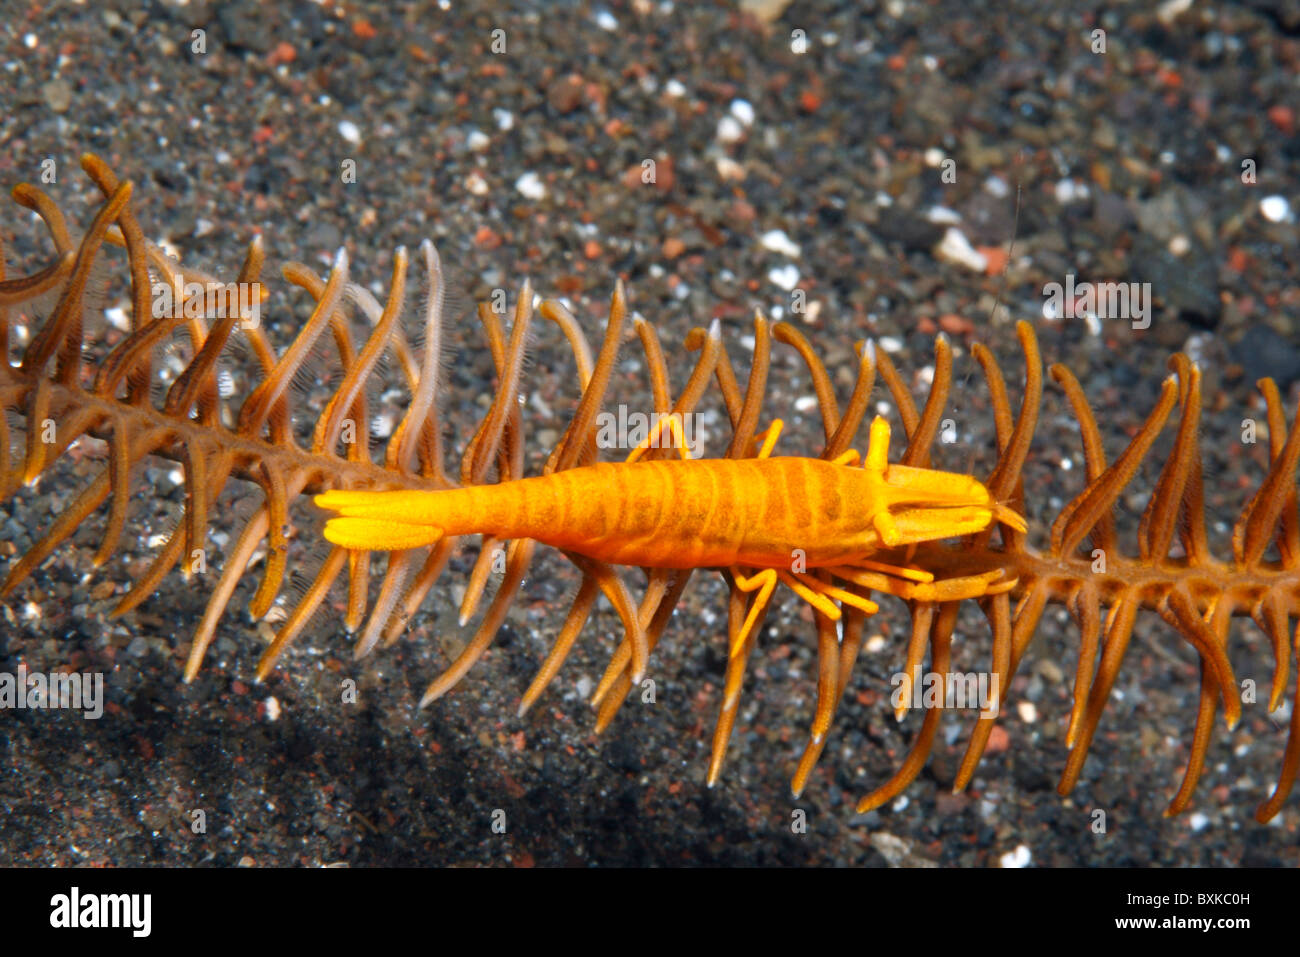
<point>953,539</point>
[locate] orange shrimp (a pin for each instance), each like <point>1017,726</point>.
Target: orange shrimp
<point>764,519</point>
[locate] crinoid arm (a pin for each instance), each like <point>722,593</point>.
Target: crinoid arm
<point>980,550</point>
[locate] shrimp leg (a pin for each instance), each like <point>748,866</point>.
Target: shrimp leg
<point>673,423</point>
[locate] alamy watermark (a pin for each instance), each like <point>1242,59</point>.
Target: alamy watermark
<point>209,300</point>
<point>74,910</point>
<point>656,430</point>
<point>1100,300</point>
<point>63,690</point>
<point>974,690</point>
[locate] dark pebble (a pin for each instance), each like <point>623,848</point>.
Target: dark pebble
<point>909,228</point>
<point>1187,286</point>
<point>1263,353</point>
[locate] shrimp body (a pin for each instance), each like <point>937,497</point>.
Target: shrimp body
<point>810,524</point>
<point>688,513</point>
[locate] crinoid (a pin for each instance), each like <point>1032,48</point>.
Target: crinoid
<point>60,399</point>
